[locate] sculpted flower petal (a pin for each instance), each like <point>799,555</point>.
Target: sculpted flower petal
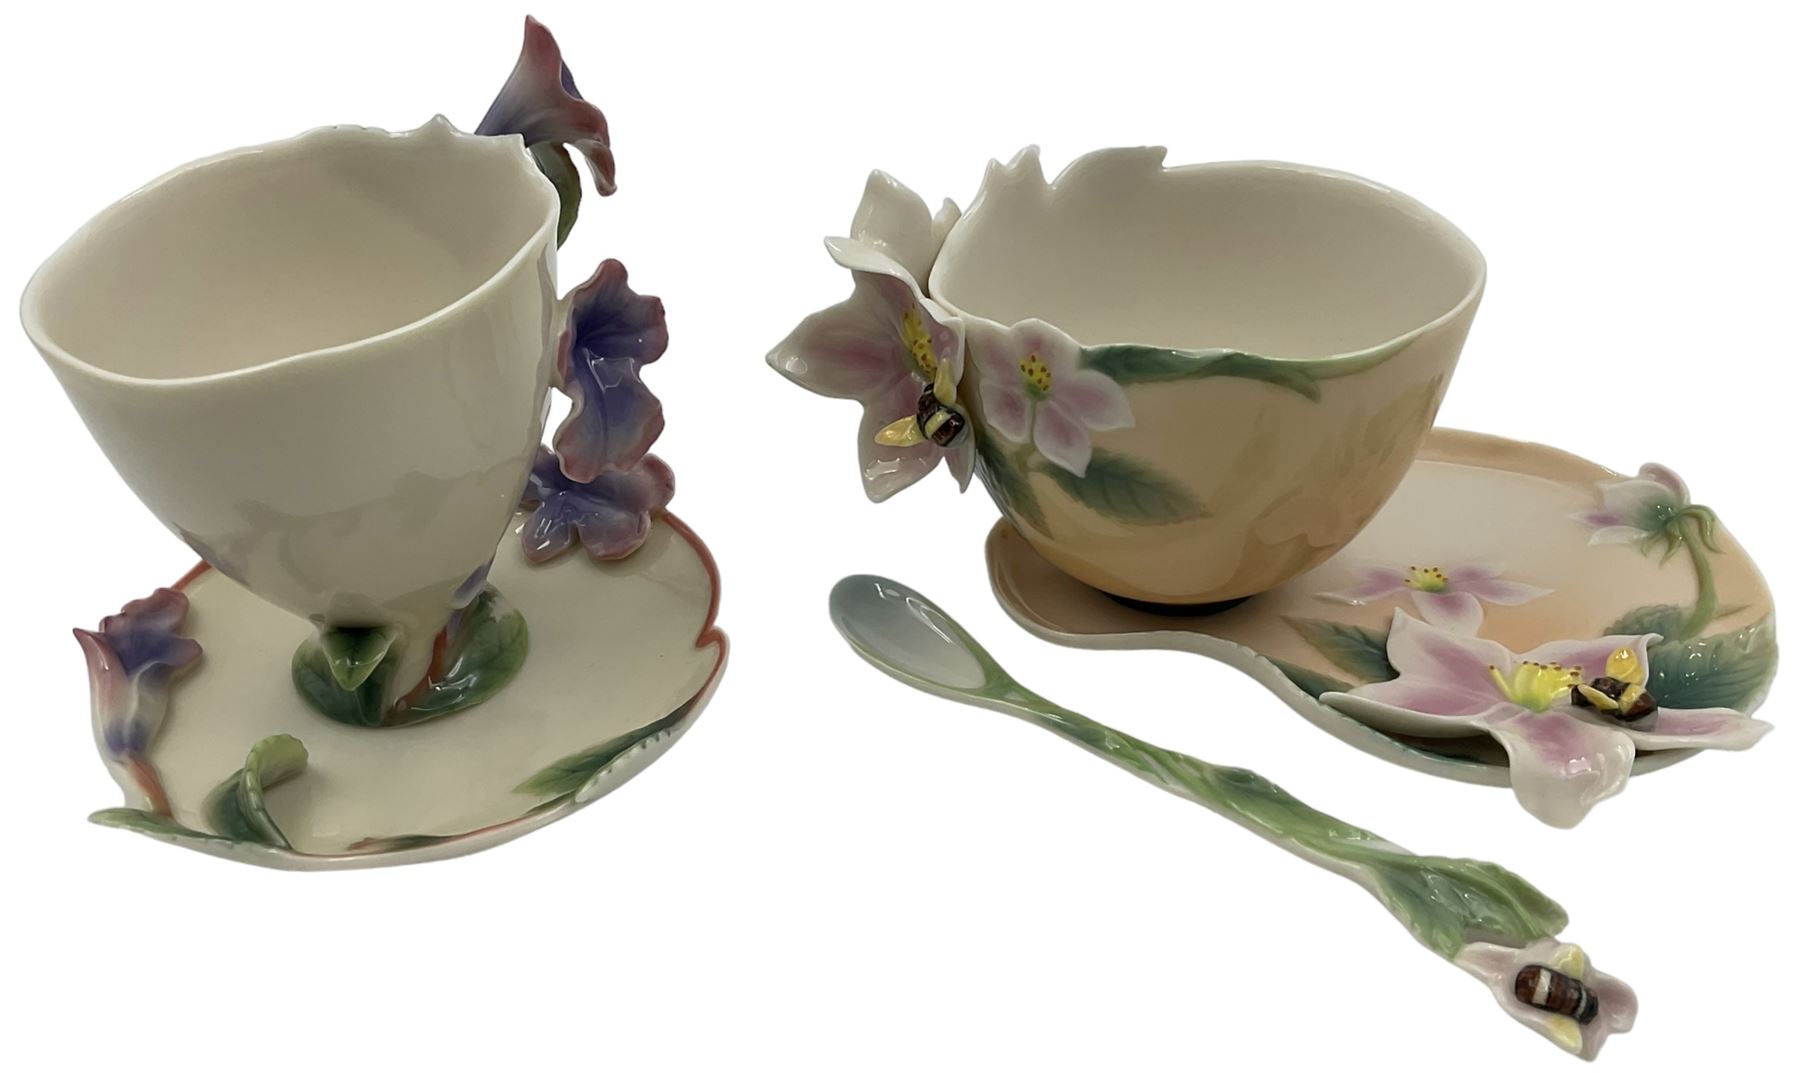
<point>1061,438</point>
<point>1616,534</point>
<point>1699,728</point>
<point>1426,709</point>
<point>1372,583</point>
<point>1092,398</point>
<point>1591,656</point>
<point>887,468</point>
<point>895,221</point>
<point>1496,590</point>
<point>1499,967</point>
<point>1561,765</point>
<point>613,417</point>
<point>1431,655</point>
<point>849,351</point>
<point>610,515</point>
<point>1458,612</point>
<point>540,103</point>
<point>1663,475</point>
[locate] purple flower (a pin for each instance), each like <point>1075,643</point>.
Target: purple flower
<point>1447,596</point>
<point>888,346</point>
<point>1034,390</point>
<point>610,515</point>
<point>1514,974</point>
<point>1565,757</point>
<point>613,332</point>
<point>1644,510</point>
<point>131,660</point>
<point>541,104</point>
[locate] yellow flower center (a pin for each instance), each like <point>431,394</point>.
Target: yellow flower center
<point>1036,372</point>
<point>1536,685</point>
<point>1426,578</point>
<point>917,338</point>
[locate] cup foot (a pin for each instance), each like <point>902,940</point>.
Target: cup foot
<point>473,658</point>
<point>1178,610</point>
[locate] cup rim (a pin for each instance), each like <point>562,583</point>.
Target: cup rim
<point>438,127</point>
<point>1024,167</point>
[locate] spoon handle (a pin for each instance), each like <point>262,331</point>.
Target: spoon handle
<point>1443,901</point>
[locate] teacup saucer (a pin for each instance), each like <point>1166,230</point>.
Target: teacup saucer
<point>1546,544</point>
<point>622,657</point>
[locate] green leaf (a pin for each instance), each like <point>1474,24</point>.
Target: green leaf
<point>1125,489</point>
<point>1311,682</point>
<point>353,652</point>
<point>318,686</point>
<point>1133,364</point>
<point>1356,649</point>
<point>1009,484</point>
<point>491,645</point>
<point>1663,619</point>
<point>568,775</point>
<point>1448,902</point>
<point>1728,670</point>
<point>556,164</point>
<point>149,823</point>
<point>236,809</point>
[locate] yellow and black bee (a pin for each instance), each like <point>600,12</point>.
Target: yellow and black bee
<point>1553,992</point>
<point>1620,692</point>
<point>942,425</point>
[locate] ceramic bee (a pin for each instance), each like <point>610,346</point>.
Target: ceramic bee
<point>941,424</point>
<point>1620,692</point>
<point>1546,989</point>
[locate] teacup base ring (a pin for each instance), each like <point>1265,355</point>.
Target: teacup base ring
<point>344,674</point>
<point>1179,610</point>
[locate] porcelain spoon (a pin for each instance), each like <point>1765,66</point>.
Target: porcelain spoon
<point>1476,914</point>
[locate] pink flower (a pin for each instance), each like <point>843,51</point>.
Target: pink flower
<point>1034,390</point>
<point>888,346</point>
<point>1640,510</point>
<point>1565,756</point>
<point>1447,596</point>
<point>1523,989</point>
<point>541,104</point>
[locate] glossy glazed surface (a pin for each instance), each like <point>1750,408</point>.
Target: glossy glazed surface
<point>1282,336</point>
<point>321,362</point>
<point>624,656</point>
<point>1444,512</point>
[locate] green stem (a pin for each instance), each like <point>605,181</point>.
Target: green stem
<point>1706,601</point>
<point>1442,902</point>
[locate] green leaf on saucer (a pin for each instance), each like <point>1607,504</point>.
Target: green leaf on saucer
<point>1311,682</point>
<point>1448,902</point>
<point>236,809</point>
<point>149,823</point>
<point>1133,364</point>
<point>568,775</point>
<point>554,161</point>
<point>491,645</point>
<point>1663,619</point>
<point>1009,484</point>
<point>318,686</point>
<point>1125,489</point>
<point>353,652</point>
<point>1356,649</point>
<point>1727,670</point>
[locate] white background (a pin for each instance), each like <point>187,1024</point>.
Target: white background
<point>831,872</point>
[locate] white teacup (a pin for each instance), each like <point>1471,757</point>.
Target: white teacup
<point>322,362</point>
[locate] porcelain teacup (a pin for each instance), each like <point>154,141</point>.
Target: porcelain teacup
<point>322,362</point>
<point>1190,384</point>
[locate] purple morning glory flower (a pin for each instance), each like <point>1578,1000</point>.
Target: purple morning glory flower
<point>610,515</point>
<point>613,418</point>
<point>131,660</point>
<point>541,104</point>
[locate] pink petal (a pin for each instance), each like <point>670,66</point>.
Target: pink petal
<point>1663,475</point>
<point>1373,583</point>
<point>1616,534</point>
<point>1590,655</point>
<point>1006,411</point>
<point>887,469</point>
<point>1562,766</point>
<point>1419,708</point>
<point>852,350</point>
<point>962,461</point>
<point>1092,398</point>
<point>1495,590</point>
<point>1433,656</point>
<point>895,221</point>
<point>1700,728</point>
<point>1055,347</point>
<point>1061,438</point>
<point>1458,612</point>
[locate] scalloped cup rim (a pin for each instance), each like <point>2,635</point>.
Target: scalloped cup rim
<point>89,233</point>
<point>1155,155</point>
